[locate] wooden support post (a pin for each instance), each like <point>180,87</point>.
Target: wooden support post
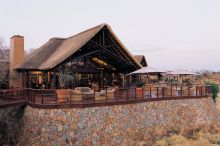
<point>34,97</point>
<point>42,100</point>
<point>150,92</point>
<point>181,90</point>
<point>135,93</point>
<point>201,90</point>
<point>70,97</point>
<point>127,94</point>
<point>94,96</point>
<point>106,98</point>
<point>196,91</point>
<point>157,92</point>
<point>188,91</point>
<point>171,89</point>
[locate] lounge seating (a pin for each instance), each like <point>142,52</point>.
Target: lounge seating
<point>110,92</point>
<point>82,93</point>
<point>95,87</point>
<point>100,95</point>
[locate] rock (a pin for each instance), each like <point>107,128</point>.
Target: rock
<point>60,128</point>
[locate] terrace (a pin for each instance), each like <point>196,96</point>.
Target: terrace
<point>84,70</point>
<point>69,98</point>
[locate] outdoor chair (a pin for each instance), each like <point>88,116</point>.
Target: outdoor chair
<point>99,96</point>
<point>63,95</point>
<point>82,93</point>
<point>110,92</point>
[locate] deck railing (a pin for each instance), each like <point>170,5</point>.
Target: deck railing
<point>46,98</point>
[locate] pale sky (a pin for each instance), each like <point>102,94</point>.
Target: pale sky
<point>172,34</point>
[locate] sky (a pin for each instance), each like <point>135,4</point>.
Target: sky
<point>172,34</point>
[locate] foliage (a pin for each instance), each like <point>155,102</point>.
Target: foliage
<point>4,83</point>
<point>187,81</point>
<point>64,78</point>
<point>10,125</point>
<point>139,83</point>
<point>214,89</point>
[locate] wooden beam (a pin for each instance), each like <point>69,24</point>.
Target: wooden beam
<point>109,52</point>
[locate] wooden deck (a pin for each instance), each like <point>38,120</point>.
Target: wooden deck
<point>47,98</point>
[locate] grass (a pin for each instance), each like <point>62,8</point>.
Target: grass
<point>203,137</point>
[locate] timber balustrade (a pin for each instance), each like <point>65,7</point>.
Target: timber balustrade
<point>48,98</point>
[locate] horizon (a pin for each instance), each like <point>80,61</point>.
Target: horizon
<point>172,35</point>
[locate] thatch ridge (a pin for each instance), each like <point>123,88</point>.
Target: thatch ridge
<point>52,53</point>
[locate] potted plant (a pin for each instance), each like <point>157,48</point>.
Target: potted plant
<point>64,78</point>
<point>139,88</point>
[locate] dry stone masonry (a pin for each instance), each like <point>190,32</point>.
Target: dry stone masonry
<point>113,125</point>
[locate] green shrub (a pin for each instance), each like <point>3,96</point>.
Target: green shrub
<point>214,89</point>
<point>139,83</point>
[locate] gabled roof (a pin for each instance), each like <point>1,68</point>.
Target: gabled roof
<point>141,59</point>
<point>56,50</point>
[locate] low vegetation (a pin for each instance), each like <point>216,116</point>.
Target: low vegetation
<point>204,136</point>
<point>214,89</point>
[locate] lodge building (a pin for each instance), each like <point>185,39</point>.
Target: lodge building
<point>95,57</point>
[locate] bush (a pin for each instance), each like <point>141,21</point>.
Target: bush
<point>139,83</point>
<point>214,89</point>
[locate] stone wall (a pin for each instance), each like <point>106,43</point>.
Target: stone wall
<point>113,125</point>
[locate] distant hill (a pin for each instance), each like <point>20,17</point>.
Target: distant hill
<point>211,77</point>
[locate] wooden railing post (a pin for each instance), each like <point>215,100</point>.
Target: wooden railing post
<point>157,92</point>
<point>142,92</point>
<point>150,92</point>
<point>188,91</point>
<point>135,96</point>
<point>171,91</point>
<point>106,96</point>
<point>34,96</point>
<point>42,100</point>
<point>181,91</point>
<point>127,93</point>
<point>196,91</point>
<point>8,97</point>
<point>201,90</point>
<point>162,91</point>
<point>94,97</point>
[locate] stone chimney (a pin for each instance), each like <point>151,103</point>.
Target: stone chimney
<point>16,58</point>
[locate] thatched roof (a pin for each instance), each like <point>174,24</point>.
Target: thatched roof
<point>56,50</point>
<point>141,59</point>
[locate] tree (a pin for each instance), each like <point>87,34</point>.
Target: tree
<point>3,43</point>
<point>4,64</point>
<point>214,90</point>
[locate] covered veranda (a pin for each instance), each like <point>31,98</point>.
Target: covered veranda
<point>94,58</point>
